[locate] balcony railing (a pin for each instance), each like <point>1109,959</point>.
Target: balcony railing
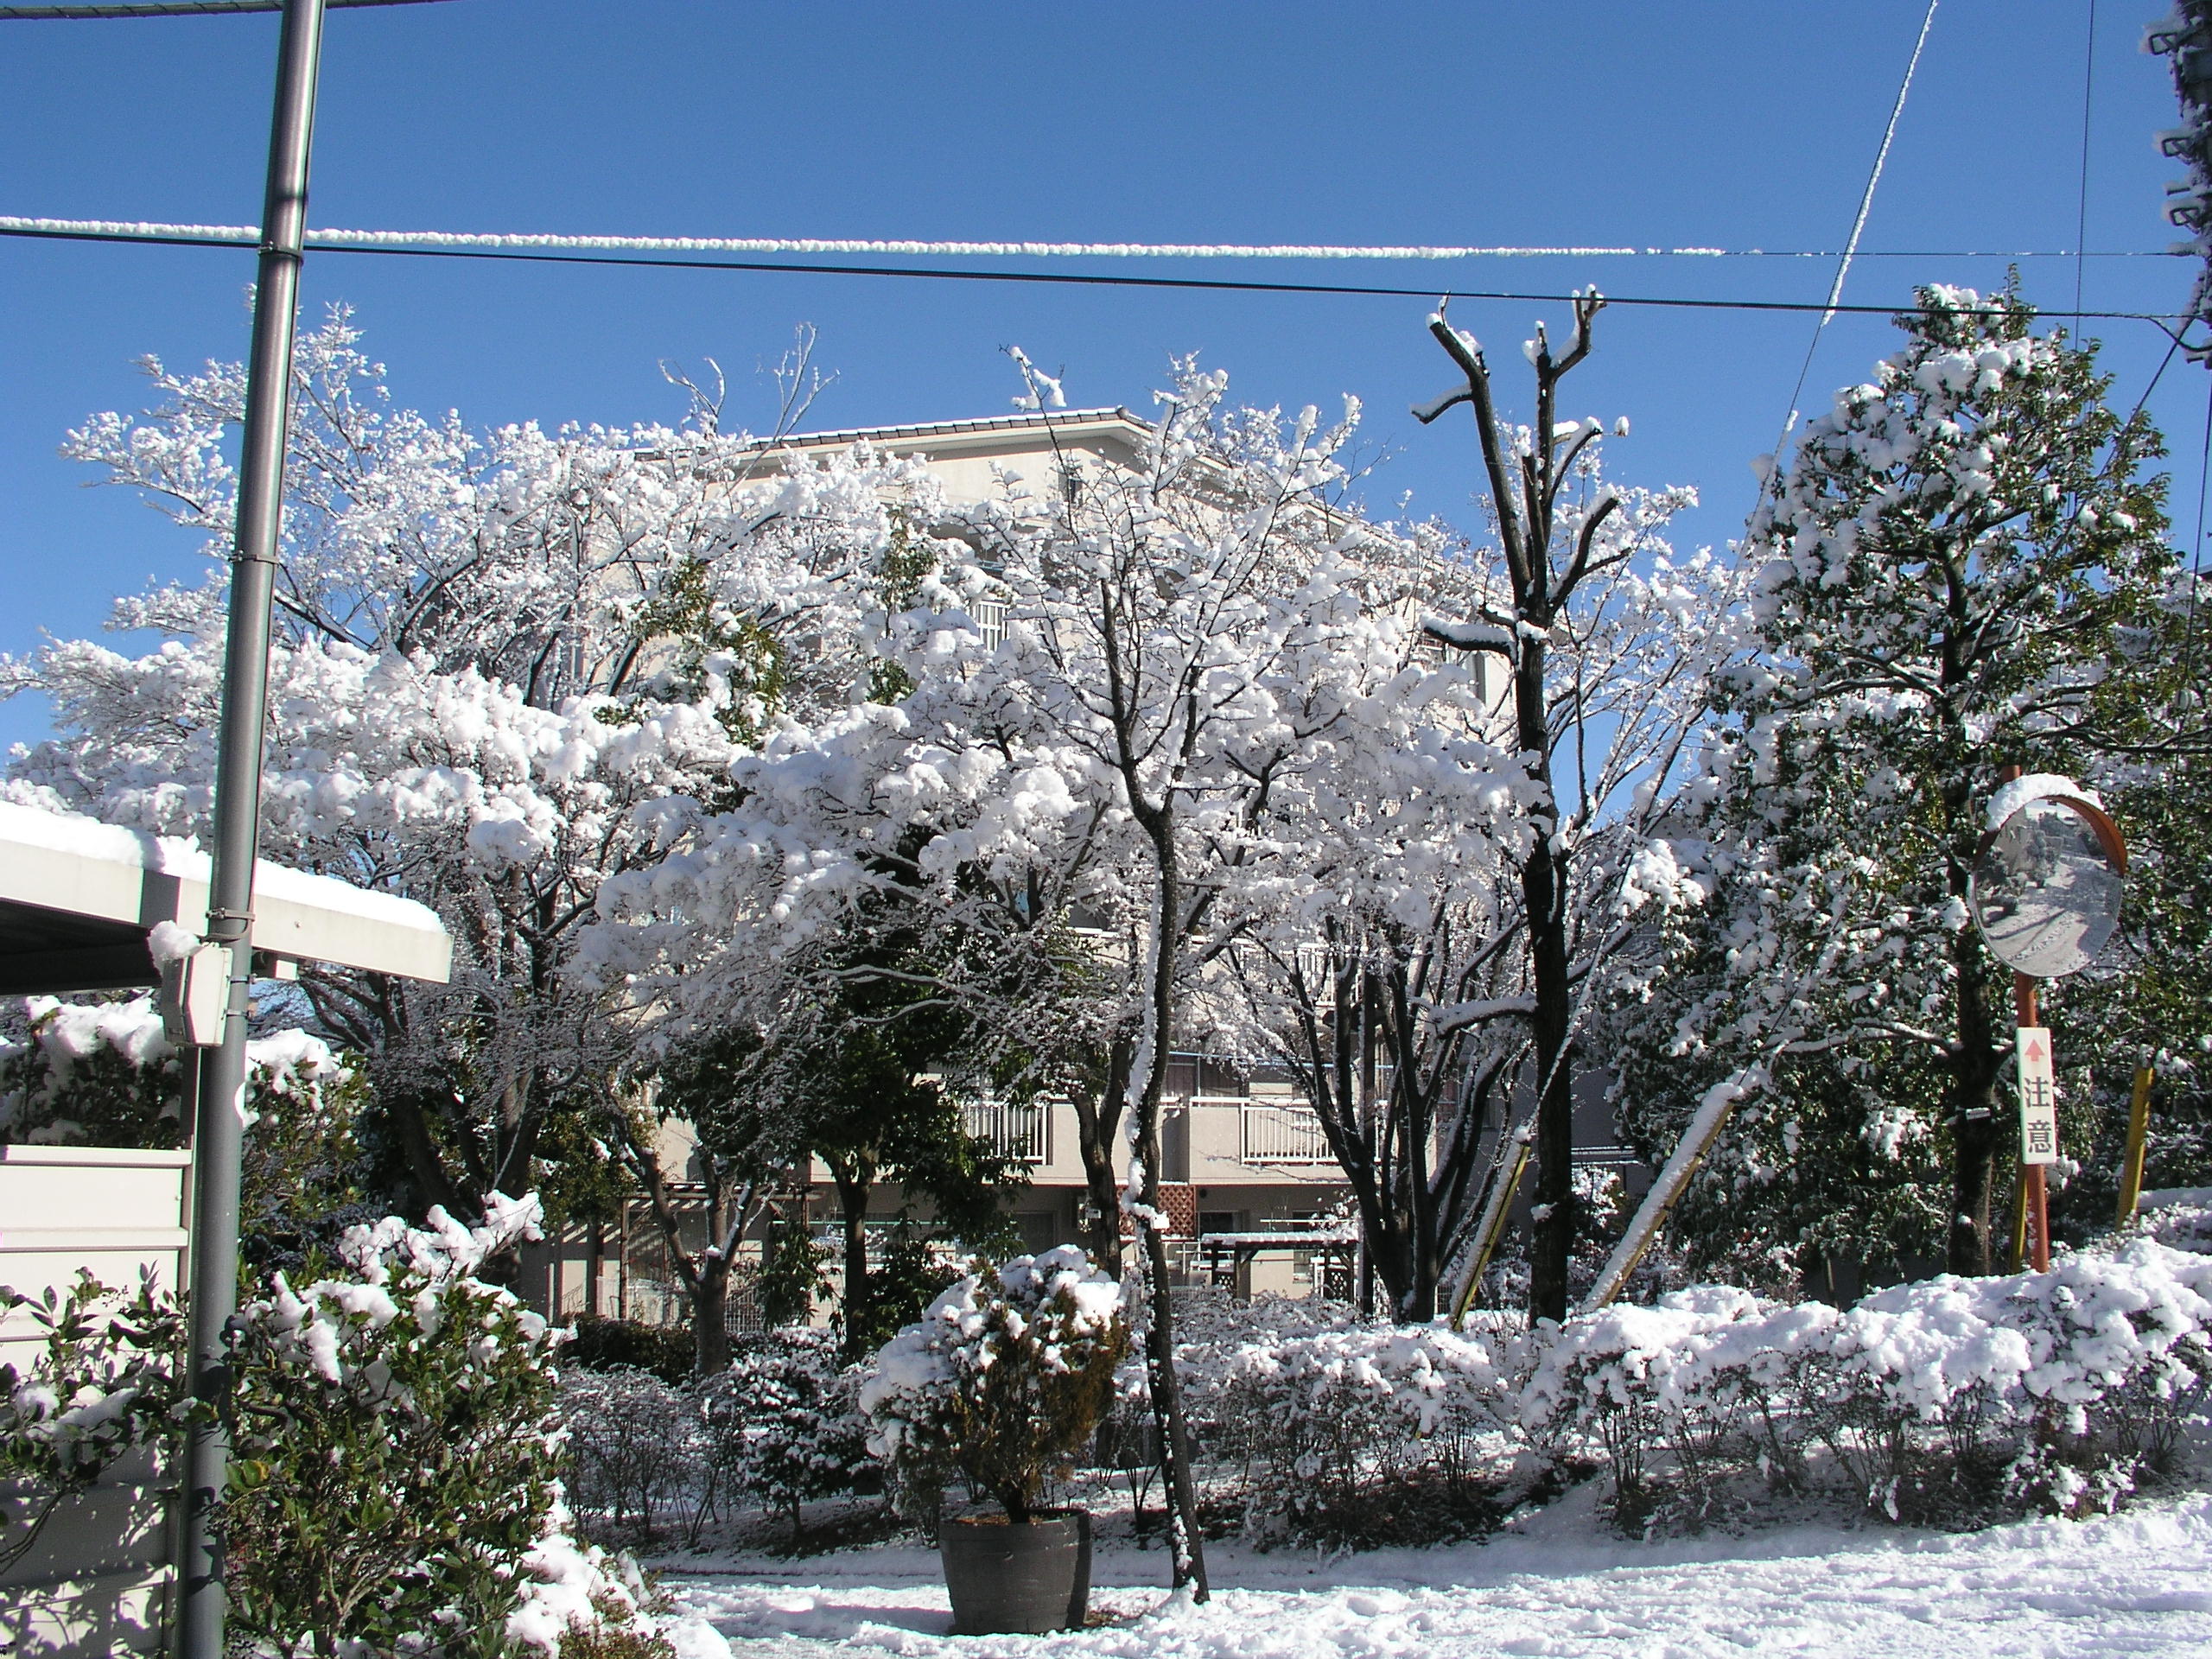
<point>1288,1133</point>
<point>1022,1133</point>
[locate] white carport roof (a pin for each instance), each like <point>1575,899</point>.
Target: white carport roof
<point>78,898</point>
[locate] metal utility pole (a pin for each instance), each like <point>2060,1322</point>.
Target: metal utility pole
<point>219,1119</point>
<point>2186,38</point>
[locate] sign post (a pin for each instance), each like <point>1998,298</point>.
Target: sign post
<point>2138,1132</point>
<point>2038,1118</point>
<point>2046,892</point>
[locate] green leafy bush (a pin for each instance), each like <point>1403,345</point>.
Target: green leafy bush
<point>396,1457</point>
<point>108,1383</point>
<point>601,1344</point>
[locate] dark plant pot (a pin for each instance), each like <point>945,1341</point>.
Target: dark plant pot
<point>1021,1579</point>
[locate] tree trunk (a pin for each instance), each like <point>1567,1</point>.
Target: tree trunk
<point>1097,1116</point>
<point>1543,897</point>
<point>710,1320</point>
<point>852,1205</point>
<point>1975,1115</point>
<point>705,1276</point>
<point>1187,1551</point>
<point>406,1114</point>
<point>1341,1088</point>
<point>1540,595</point>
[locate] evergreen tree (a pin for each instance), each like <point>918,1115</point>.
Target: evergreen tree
<point>1962,569</point>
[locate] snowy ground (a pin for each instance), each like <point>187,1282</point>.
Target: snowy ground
<point>2138,1583</point>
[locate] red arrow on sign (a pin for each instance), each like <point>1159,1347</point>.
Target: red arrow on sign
<point>2036,1050</point>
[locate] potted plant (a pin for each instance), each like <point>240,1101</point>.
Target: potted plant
<point>1000,1381</point>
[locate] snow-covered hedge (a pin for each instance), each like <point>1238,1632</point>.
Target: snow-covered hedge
<point>637,1450</point>
<point>781,1426</point>
<point>1951,1399</point>
<point>1337,1430</point>
<point>1318,1426</point>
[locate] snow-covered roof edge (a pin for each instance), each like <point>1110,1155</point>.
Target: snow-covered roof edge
<point>400,930</point>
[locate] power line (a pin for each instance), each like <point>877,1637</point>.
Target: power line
<point>1851,246</point>
<point>2082,206</point>
<point>536,242</point>
<point>1203,284</point>
<point>172,9</point>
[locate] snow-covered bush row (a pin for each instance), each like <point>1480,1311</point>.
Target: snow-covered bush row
<point>780,1426</point>
<point>1317,1426</point>
<point>1951,1399</point>
<point>1335,1430</point>
<point>637,1449</point>
<point>784,1422</point>
<point>2181,1217</point>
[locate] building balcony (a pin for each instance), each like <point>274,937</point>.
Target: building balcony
<point>1019,1132</point>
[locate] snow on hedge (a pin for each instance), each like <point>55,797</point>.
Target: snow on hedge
<point>1950,1397</point>
<point>85,1067</point>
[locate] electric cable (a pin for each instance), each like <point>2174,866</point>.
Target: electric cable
<point>2082,207</point>
<point>316,244</point>
<point>539,241</point>
<point>1843,266</point>
<point>173,9</point>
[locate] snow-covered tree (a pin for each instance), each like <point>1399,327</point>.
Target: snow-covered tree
<point>493,648</point>
<point>1363,916</point>
<point>1962,569</point>
<point>1609,642</point>
<point>1074,792</point>
<point>1390,967</point>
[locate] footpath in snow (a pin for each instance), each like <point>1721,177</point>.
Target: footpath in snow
<point>2139,1583</point>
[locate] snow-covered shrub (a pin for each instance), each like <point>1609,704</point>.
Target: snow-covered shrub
<point>785,1421</point>
<point>1002,1381</point>
<point>107,1382</point>
<point>1339,1430</point>
<point>104,1074</point>
<point>2180,1218</point>
<point>1640,1381</point>
<point>634,1443</point>
<point>1950,1400</point>
<point>396,1450</point>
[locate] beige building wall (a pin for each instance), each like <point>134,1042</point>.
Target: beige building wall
<point>97,1581</point>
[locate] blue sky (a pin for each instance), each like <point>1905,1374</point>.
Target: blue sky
<point>1674,123</point>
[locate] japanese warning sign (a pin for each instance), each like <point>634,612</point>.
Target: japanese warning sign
<point>2038,1104</point>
